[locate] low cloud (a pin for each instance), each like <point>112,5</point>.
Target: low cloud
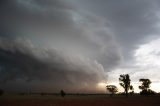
<point>67,47</point>
<point>23,61</point>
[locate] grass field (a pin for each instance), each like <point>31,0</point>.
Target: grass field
<point>74,100</point>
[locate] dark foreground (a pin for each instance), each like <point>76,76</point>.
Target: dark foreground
<point>91,100</point>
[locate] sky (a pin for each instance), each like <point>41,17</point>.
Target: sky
<point>78,45</point>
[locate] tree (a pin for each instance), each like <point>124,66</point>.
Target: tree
<point>145,87</point>
<point>1,92</point>
<point>62,93</point>
<point>124,81</point>
<point>132,90</point>
<point>112,89</point>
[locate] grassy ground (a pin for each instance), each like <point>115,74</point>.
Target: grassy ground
<point>91,100</point>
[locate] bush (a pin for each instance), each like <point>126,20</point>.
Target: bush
<point>147,92</point>
<point>1,92</point>
<point>62,93</point>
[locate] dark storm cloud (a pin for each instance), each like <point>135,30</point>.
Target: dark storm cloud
<point>22,61</point>
<point>60,25</point>
<point>46,23</point>
<point>34,13</point>
<point>83,36</point>
<point>131,20</point>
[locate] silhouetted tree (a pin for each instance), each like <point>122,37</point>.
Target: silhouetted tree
<point>124,81</point>
<point>62,93</point>
<point>42,94</point>
<point>132,90</point>
<point>1,92</point>
<point>145,87</point>
<point>112,89</point>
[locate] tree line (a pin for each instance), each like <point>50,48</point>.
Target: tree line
<point>125,82</point>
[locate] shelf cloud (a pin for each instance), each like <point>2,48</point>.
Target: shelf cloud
<point>72,44</point>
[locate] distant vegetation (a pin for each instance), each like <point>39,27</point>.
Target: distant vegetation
<point>145,87</point>
<point>1,92</point>
<point>62,93</point>
<point>125,82</point>
<point>112,89</point>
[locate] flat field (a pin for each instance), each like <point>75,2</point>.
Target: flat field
<point>74,100</point>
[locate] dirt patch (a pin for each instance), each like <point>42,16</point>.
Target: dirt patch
<point>80,101</point>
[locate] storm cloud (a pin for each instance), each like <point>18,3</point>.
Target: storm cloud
<point>21,60</point>
<point>51,43</point>
<point>72,44</point>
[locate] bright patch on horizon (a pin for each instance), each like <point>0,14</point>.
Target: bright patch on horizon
<point>102,84</point>
<point>102,87</point>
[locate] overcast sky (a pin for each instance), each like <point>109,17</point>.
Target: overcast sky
<point>78,45</point>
